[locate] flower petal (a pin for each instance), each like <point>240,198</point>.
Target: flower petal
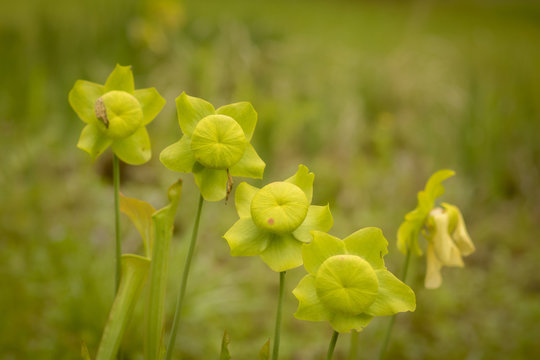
<point>246,239</point>
<point>394,296</point>
<point>121,79</point>
<point>250,165</point>
<point>344,323</point>
<point>242,198</point>
<point>190,111</point>
<point>309,306</point>
<point>318,218</point>
<point>178,156</point>
<point>82,99</point>
<point>433,269</point>
<point>443,245</point>
<point>321,248</point>
<point>460,235</point>
<point>135,149</point>
<point>244,114</point>
<point>211,182</point>
<point>370,244</point>
<point>152,103</point>
<point>93,141</point>
<point>304,180</point>
<point>283,253</point>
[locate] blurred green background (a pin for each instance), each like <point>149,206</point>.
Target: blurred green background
<point>371,96</point>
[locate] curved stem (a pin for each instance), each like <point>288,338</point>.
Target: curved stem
<point>118,256</point>
<point>277,330</point>
<point>353,351</point>
<point>332,345</point>
<point>393,319</point>
<point>183,285</point>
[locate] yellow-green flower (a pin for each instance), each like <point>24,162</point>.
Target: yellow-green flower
<point>116,115</point>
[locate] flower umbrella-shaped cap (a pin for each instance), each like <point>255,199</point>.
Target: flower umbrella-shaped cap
<point>276,220</point>
<point>214,145</point>
<point>347,282</point>
<point>116,115</point>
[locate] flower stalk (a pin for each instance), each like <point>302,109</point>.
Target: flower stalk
<point>332,345</point>
<point>118,241</point>
<point>277,330</point>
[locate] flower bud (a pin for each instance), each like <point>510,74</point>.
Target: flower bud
<point>119,114</point>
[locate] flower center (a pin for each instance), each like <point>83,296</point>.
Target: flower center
<point>279,207</point>
<point>346,283</point>
<point>119,114</point>
<point>218,142</point>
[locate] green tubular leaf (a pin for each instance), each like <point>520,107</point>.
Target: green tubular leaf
<point>250,165</point>
<point>190,111</point>
<point>225,341</point>
<point>242,198</point>
<point>140,213</point>
<point>264,354</point>
<point>394,296</point>
<point>246,239</point>
<point>134,273</point>
<point>304,180</point>
<point>460,234</point>
<point>82,99</point>
<point>433,269</point>
<point>370,244</point>
<point>93,141</point>
<point>244,114</point>
<point>309,306</point>
<point>121,79</point>
<point>178,156</point>
<point>318,218</point>
<point>344,323</point>
<point>321,248</point>
<point>283,253</point>
<point>134,150</point>
<point>152,103</point>
<point>211,182</point>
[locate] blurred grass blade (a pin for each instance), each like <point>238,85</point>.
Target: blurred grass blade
<point>225,355</point>
<point>85,354</point>
<point>264,354</point>
<point>140,212</point>
<point>134,272</point>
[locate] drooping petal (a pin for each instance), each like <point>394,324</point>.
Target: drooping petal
<point>434,188</point>
<point>309,306</point>
<point>246,239</point>
<point>368,243</point>
<point>242,198</point>
<point>190,111</point>
<point>283,253</point>
<point>244,114</point>
<point>394,296</point>
<point>121,79</point>
<point>443,245</point>
<point>250,165</point>
<point>304,180</point>
<point>211,182</point>
<point>460,234</point>
<point>82,99</point>
<point>135,149</point>
<point>321,248</point>
<point>93,141</point>
<point>344,323</point>
<point>152,103</point>
<point>178,156</point>
<point>318,218</point>
<point>433,269</point>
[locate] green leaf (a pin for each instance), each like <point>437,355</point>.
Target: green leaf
<point>140,212</point>
<point>190,111</point>
<point>304,180</point>
<point>250,165</point>
<point>135,149</point>
<point>321,248</point>
<point>121,79</point>
<point>283,253</point>
<point>152,103</point>
<point>212,183</point>
<point>309,306</point>
<point>242,198</point>
<point>225,355</point>
<point>318,218</point>
<point>246,239</point>
<point>370,244</point>
<point>93,141</point>
<point>264,354</point>
<point>244,114</point>
<point>394,296</point>
<point>178,156</point>
<point>344,323</point>
<point>82,99</point>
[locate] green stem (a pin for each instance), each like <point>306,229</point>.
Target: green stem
<point>118,256</point>
<point>332,345</point>
<point>185,275</point>
<point>353,351</point>
<point>393,319</point>
<point>277,330</point>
